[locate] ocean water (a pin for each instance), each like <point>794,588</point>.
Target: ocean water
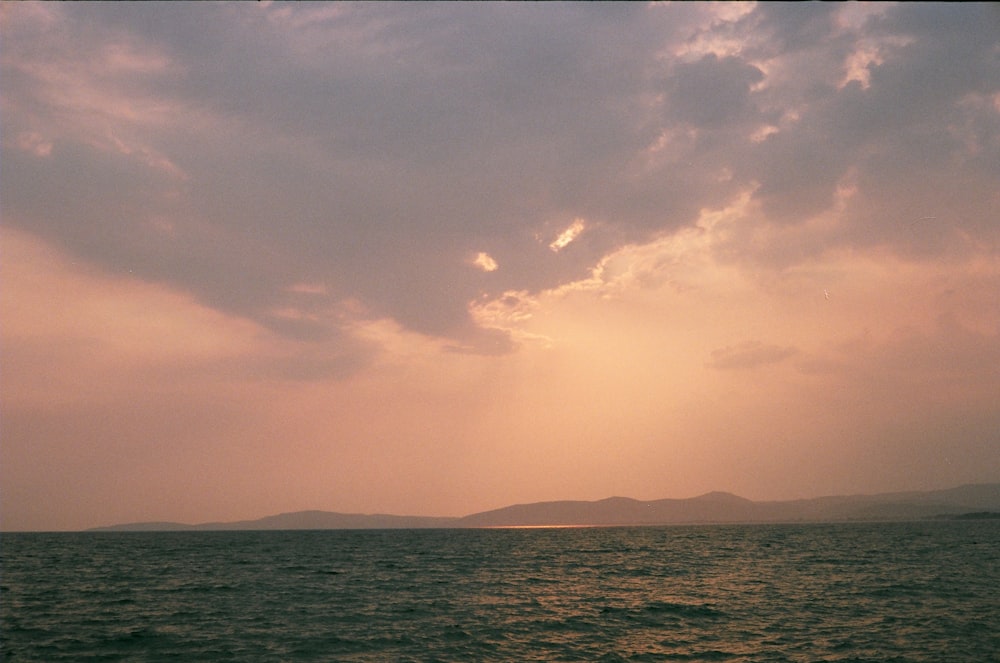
<point>927,591</point>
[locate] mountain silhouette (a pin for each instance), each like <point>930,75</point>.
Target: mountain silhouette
<point>714,507</point>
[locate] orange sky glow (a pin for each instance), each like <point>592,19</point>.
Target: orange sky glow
<point>382,258</point>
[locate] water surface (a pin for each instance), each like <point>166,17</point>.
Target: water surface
<point>922,591</point>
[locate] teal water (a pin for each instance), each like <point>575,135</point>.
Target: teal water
<point>923,591</point>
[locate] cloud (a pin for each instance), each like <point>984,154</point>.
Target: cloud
<point>308,288</point>
<point>70,324</point>
<point>485,262</point>
<point>713,92</point>
<point>140,119</point>
<point>567,236</point>
<point>749,355</point>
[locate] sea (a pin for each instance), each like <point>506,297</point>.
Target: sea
<point>900,591</point>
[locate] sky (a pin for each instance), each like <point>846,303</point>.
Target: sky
<point>439,258</point>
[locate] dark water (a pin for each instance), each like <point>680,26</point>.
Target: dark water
<point>874,592</point>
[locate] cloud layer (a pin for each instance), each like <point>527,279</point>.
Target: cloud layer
<point>469,199</point>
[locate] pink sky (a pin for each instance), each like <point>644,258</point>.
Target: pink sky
<point>432,260</point>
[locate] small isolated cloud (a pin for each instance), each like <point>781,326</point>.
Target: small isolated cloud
<point>308,288</point>
<point>485,262</point>
<point>748,355</point>
<point>568,235</point>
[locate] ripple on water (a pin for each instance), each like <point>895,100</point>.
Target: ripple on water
<point>906,591</point>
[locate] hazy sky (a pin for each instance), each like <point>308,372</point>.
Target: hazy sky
<point>434,259</point>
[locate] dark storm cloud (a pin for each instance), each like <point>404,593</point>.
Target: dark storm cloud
<point>713,92</point>
<point>234,150</point>
<point>370,149</point>
<point>914,140</point>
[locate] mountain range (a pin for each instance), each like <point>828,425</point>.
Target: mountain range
<point>981,500</point>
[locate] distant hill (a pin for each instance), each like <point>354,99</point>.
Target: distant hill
<point>297,520</point>
<point>712,507</point>
<point>727,508</point>
<point>716,507</point>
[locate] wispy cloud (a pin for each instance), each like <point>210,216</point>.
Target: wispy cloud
<point>567,236</point>
<point>750,354</point>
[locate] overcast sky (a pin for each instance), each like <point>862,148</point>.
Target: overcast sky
<point>433,259</point>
